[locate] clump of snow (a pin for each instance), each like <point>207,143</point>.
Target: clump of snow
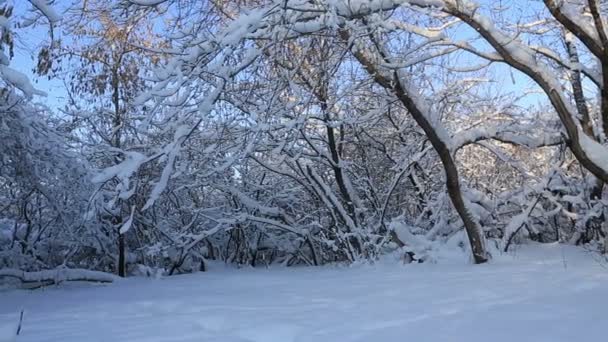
<point>19,81</point>
<point>594,151</point>
<point>47,11</point>
<point>127,225</point>
<point>123,170</point>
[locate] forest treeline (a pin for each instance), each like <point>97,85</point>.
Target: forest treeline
<point>298,132</point>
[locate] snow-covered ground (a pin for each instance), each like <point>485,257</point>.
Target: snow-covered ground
<point>541,293</point>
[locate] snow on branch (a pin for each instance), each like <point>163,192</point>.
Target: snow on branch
<point>595,151</point>
<point>253,204</point>
<point>582,26</point>
<point>510,136</point>
<point>58,275</point>
<point>147,3</point>
<point>19,81</point>
<point>123,170</point>
<point>47,11</point>
<point>518,222</point>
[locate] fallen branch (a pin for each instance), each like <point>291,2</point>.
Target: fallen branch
<point>57,276</point>
<point>20,323</point>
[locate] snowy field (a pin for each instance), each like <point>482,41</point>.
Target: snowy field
<point>546,293</point>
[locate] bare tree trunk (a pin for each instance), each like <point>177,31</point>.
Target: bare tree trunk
<point>394,85</point>
<point>577,85</point>
<point>472,227</point>
<point>581,104</point>
<point>122,264</point>
<point>116,126</point>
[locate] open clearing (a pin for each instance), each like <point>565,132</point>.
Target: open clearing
<point>541,293</point>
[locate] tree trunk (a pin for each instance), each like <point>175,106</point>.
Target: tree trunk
<point>122,264</point>
<point>394,85</point>
<point>472,227</point>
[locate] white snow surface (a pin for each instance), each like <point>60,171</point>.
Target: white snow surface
<point>537,293</point>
